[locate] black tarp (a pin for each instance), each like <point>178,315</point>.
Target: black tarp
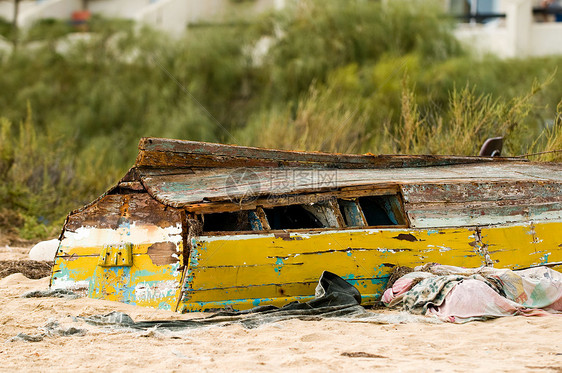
<point>335,297</point>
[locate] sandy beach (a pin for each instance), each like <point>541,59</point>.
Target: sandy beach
<point>507,344</point>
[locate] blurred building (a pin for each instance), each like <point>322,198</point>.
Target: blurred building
<point>509,28</point>
<point>168,15</point>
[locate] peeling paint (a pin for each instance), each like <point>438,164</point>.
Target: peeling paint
<point>472,212</point>
<point>407,237</point>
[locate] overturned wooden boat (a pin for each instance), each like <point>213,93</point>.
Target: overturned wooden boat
<point>198,226</point>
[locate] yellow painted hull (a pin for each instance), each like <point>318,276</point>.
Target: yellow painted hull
<point>243,271</point>
<point>250,270</point>
<point>144,283</point>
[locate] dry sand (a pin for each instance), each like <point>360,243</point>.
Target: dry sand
<point>14,253</point>
<point>507,344</point>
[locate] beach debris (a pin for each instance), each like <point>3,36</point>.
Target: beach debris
<point>363,354</point>
<point>335,298</point>
<point>32,269</point>
<point>460,295</point>
<point>50,330</point>
<point>112,318</point>
<point>51,293</point>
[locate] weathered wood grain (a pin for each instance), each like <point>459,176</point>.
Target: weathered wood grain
<point>162,253</point>
<point>155,152</point>
<point>135,208</point>
<point>484,213</point>
<point>481,191</point>
<point>226,184</point>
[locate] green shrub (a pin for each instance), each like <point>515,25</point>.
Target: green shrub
<point>48,29</point>
<point>5,28</point>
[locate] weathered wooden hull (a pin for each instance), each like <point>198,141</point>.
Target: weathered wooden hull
<point>244,271</point>
<point>152,235</point>
<point>150,240</point>
<point>247,271</point>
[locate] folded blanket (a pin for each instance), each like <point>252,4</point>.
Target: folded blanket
<point>458,294</point>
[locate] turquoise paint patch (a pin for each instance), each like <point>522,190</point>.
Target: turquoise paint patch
<point>278,265</point>
<point>380,281</point>
<point>164,306</point>
<point>144,273</point>
<point>544,258</point>
<point>379,271</point>
<point>432,231</point>
<point>126,294</point>
<point>176,187</point>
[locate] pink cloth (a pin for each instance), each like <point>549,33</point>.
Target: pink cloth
<point>471,299</point>
<point>530,292</point>
<point>401,286</point>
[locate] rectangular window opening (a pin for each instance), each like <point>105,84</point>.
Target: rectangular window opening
<point>382,210</point>
<point>231,222</point>
<point>317,215</point>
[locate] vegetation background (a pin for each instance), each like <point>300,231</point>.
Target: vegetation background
<point>328,75</point>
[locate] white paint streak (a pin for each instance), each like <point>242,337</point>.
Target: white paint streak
<point>419,221</point>
<point>237,237</point>
<point>66,283</point>
<point>161,289</point>
<point>136,235</point>
<point>384,250</point>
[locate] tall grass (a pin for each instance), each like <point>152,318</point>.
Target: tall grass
<point>552,149</point>
<point>353,76</point>
<point>42,182</point>
<point>321,121</point>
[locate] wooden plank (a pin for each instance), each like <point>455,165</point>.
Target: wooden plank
<point>483,213</point>
<point>159,254</point>
<point>399,245</point>
<point>524,245</point>
<point>134,186</point>
<point>286,200</point>
<point>309,269</point>
<point>480,191</point>
<point>266,294</point>
<point>252,270</point>
<point>154,232</point>
<point>224,184</point>
<point>263,218</point>
<point>104,213</point>
<point>335,208</point>
<point>353,213</point>
<point>110,210</point>
<point>178,153</point>
<point>266,259</point>
<point>143,284</point>
<point>242,272</point>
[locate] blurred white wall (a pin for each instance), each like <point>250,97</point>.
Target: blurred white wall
<point>169,15</point>
<point>174,15</point>
<point>31,11</point>
<point>520,34</point>
<point>118,8</point>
